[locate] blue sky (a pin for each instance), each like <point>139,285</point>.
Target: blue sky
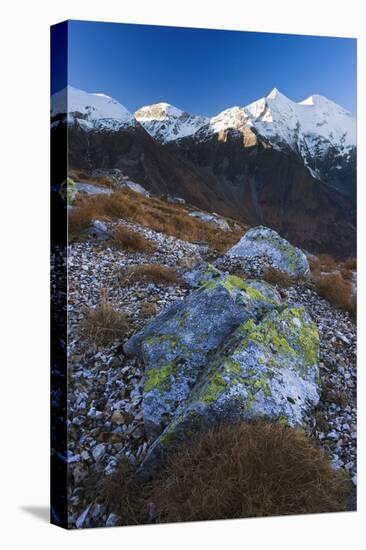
<point>206,71</point>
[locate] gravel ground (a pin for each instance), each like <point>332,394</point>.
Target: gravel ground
<point>105,387</point>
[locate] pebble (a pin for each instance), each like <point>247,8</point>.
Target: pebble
<point>98,452</point>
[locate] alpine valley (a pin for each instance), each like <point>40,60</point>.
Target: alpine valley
<point>285,165</point>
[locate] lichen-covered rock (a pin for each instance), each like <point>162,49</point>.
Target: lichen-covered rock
<point>201,274</point>
<point>265,369</point>
<point>266,243</point>
<point>175,346</point>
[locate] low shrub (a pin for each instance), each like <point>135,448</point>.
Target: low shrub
<point>103,324</point>
<point>130,240</point>
<point>151,273</point>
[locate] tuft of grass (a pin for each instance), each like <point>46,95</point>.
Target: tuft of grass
<point>78,221</point>
<point>103,324</point>
<point>122,492</point>
<point>130,240</point>
<point>276,277</point>
<point>332,395</point>
<point>151,273</point>
<point>248,470</point>
<point>335,281</point>
<point>148,309</point>
<point>233,471</point>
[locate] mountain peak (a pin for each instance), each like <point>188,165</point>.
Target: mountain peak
<point>275,93</point>
<point>158,111</point>
<point>165,122</point>
<point>90,108</point>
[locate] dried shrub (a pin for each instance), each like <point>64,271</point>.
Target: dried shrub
<point>276,277</point>
<point>103,324</point>
<point>335,281</point>
<point>130,240</point>
<point>151,273</point>
<point>248,470</point>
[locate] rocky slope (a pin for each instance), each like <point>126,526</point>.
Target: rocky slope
<point>106,386</point>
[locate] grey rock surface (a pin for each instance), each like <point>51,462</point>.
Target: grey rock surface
<point>264,242</point>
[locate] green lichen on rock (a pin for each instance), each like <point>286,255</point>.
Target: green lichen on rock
<point>266,334</point>
<point>233,284</point>
<point>68,190</point>
<point>159,378</point>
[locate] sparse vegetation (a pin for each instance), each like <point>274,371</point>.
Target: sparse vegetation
<point>276,277</point>
<point>235,471</point>
<point>171,219</point>
<point>130,240</point>
<point>335,281</point>
<point>103,324</point>
<point>148,309</point>
<point>333,395</point>
<point>150,273</point>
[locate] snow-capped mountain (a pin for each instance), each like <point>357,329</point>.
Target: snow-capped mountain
<point>311,128</point>
<point>91,111</point>
<point>314,128</point>
<point>275,162</point>
<point>165,122</point>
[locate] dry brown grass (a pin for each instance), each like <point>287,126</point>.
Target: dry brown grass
<point>246,470</point>
<point>123,493</point>
<point>276,277</point>
<point>150,273</point>
<point>333,395</point>
<point>237,471</point>
<point>171,219</point>
<point>103,325</point>
<point>334,281</point>
<point>148,309</point>
<point>102,181</point>
<point>130,240</point>
<point>78,221</point>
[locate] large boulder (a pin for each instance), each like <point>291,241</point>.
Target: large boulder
<point>266,243</point>
<point>265,369</point>
<point>176,345</point>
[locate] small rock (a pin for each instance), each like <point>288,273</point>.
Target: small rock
<point>98,452</point>
<point>112,520</point>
